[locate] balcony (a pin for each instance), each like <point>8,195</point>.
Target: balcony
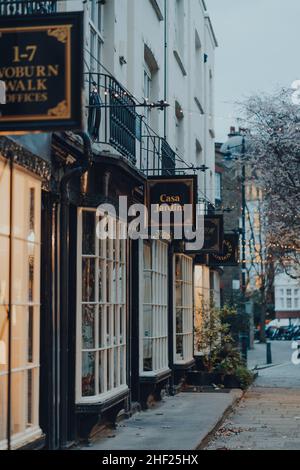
<point>156,156</point>
<point>21,7</point>
<point>112,118</point>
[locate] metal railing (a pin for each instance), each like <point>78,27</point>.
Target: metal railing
<point>156,156</point>
<point>112,115</point>
<point>22,7</point>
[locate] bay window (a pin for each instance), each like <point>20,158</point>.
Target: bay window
<point>183,309</point>
<point>25,308</point>
<point>154,308</point>
<point>101,318</point>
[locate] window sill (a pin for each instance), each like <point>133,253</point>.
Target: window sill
<point>180,62</point>
<point>102,402</point>
<point>23,439</point>
<point>184,364</point>
<point>155,377</point>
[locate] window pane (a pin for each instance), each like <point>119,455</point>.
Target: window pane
<point>88,374</point>
<point>88,280</point>
<point>179,321</point>
<point>18,405</point>
<point>88,327</point>
<point>148,361</point>
<point>88,233</point>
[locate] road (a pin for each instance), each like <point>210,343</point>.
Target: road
<point>268,416</point>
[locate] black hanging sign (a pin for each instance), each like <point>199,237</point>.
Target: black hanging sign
<point>229,256</point>
<point>213,234</point>
<point>171,194</point>
<point>41,67</point>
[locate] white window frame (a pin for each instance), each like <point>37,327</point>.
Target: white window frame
<point>113,345</point>
<point>185,280</point>
<point>95,31</point>
<point>158,303</point>
<point>25,298</point>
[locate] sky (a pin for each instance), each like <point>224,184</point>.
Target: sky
<point>258,52</point>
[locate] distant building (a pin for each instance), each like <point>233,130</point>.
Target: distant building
<point>287,297</point>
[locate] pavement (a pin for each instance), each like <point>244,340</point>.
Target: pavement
<point>268,416</point>
<point>181,422</point>
<point>281,353</point>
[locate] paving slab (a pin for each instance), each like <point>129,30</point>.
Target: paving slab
<point>181,422</point>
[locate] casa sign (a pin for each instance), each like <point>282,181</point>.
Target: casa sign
<point>41,69</point>
<point>174,194</point>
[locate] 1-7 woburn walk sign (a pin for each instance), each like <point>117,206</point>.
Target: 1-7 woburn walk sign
<point>41,65</point>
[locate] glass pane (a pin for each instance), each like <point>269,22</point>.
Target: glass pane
<point>18,405</point>
<point>88,280</point>
<point>19,336</point>
<point>179,321</point>
<point>108,326</point>
<point>3,407</point>
<point>101,371</point>
<point>122,365</point>
<point>100,280</point>
<point>101,327</point>
<point>116,366</point>
<point>179,346</point>
<point>147,287</point>
<point>88,233</point>
<point>179,299</point>
<point>148,362</point>
<point>108,282</point>
<point>4,273</point>
<point>88,326</point>
<point>30,401</point>
<point>147,257</point>
<point>30,334</point>
<point>88,374</point>
<point>148,318</point>
<point>122,325</point>
<point>3,340</point>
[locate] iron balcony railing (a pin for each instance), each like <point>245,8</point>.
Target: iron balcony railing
<point>156,156</point>
<point>112,118</point>
<point>21,7</point>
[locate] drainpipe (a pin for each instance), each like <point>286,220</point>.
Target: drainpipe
<point>65,364</point>
<point>165,67</point>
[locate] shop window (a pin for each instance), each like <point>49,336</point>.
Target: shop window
<point>154,321</point>
<point>25,313</point>
<point>101,324</point>
<point>183,309</point>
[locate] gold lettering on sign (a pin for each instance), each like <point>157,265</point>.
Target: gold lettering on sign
<point>169,199</point>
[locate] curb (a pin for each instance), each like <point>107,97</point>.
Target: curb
<point>230,408</point>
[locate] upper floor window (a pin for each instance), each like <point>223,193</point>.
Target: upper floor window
<point>179,25</point>
<point>96,38</point>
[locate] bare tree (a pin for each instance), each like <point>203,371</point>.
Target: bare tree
<point>273,152</point>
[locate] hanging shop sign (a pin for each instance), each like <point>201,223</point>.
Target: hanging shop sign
<point>176,195</point>
<point>213,234</point>
<point>41,66</point>
<point>229,256</point>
